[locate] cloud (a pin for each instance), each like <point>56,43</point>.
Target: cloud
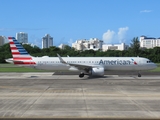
<point>21,29</point>
<point>145,11</point>
<point>1,29</point>
<point>36,41</point>
<point>5,29</point>
<point>122,33</point>
<point>30,29</point>
<point>108,36</point>
<point>113,37</point>
<point>70,42</point>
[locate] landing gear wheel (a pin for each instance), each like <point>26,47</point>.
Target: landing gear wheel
<point>81,75</point>
<point>139,75</point>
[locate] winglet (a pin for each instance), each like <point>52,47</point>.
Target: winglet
<point>61,60</point>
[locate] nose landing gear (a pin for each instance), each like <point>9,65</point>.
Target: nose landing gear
<point>139,74</point>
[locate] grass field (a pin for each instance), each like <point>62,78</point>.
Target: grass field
<point>20,69</point>
<point>15,68</point>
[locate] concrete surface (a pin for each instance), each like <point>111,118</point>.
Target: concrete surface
<point>43,95</point>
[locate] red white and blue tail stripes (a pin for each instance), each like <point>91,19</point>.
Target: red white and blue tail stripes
<point>20,55</point>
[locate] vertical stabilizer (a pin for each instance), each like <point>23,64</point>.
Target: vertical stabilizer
<point>20,55</point>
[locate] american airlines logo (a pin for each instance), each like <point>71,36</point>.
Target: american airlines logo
<point>134,61</point>
<point>117,62</point>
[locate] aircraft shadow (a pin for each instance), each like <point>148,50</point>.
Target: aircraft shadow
<point>94,77</point>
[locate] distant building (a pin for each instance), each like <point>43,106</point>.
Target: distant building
<point>121,47</point>
<point>47,41</point>
<point>3,40</point>
<point>31,44</point>
<point>6,39</point>
<point>149,42</point>
<point>22,37</point>
<point>93,43</point>
<point>62,46</point>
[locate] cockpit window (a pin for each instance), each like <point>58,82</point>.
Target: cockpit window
<point>149,61</point>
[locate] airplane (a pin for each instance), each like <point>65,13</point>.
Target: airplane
<point>92,66</point>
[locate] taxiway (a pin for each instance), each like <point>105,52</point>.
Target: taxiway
<point>43,95</point>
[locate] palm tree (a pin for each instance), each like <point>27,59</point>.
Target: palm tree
<point>135,46</point>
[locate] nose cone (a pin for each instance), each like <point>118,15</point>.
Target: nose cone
<point>153,66</point>
<point>10,60</point>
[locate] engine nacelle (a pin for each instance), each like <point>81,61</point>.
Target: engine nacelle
<point>97,71</point>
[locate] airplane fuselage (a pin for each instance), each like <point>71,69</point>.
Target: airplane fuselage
<point>108,63</point>
<point>94,66</point>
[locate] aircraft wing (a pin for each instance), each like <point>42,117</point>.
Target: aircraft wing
<point>83,66</point>
<point>78,66</point>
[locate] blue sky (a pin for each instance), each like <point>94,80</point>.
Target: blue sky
<point>113,21</point>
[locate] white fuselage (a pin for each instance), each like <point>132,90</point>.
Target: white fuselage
<point>108,63</point>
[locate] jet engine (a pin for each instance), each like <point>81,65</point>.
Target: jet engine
<point>97,71</point>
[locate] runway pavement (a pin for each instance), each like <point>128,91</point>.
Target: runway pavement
<point>43,95</point>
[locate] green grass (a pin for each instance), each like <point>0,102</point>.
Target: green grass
<point>155,70</point>
<point>19,69</point>
<point>8,65</point>
<point>15,68</point>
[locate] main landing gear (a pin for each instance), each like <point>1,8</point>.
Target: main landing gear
<point>81,75</point>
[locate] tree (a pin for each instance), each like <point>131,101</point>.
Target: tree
<point>5,52</point>
<point>134,50</point>
<point>135,46</point>
<point>67,48</point>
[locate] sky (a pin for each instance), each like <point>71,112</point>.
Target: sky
<point>113,21</point>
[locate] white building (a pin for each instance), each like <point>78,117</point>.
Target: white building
<point>47,41</point>
<point>93,43</point>
<point>149,42</point>
<point>62,46</point>
<point>121,47</point>
<point>31,44</point>
<point>3,40</point>
<point>22,37</point>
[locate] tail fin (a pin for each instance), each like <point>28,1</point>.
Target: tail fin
<point>20,55</point>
